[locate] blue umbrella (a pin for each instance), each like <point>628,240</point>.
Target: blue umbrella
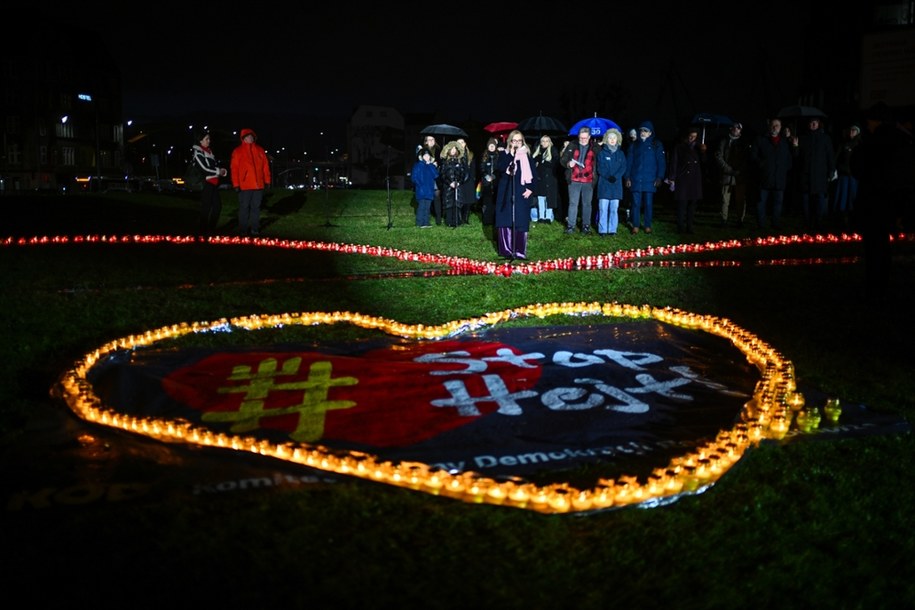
<point>597,124</point>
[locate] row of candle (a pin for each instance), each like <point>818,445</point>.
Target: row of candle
<point>621,258</point>
<point>764,416</point>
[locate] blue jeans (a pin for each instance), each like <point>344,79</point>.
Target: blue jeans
<point>607,216</point>
<point>639,197</point>
<point>846,191</point>
<point>423,212</point>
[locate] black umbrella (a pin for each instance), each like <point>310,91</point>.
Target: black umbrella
<point>542,124</point>
<point>443,129</point>
<point>793,112</point>
<point>707,118</point>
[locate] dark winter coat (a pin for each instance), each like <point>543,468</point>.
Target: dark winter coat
<point>773,159</point>
<point>732,157</point>
<point>685,171</point>
<point>611,167</point>
<point>548,178</point>
<point>510,194</point>
<point>469,185</point>
<point>843,155</point>
<point>818,161</point>
<point>646,164</point>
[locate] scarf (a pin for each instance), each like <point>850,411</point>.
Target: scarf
<point>525,163</point>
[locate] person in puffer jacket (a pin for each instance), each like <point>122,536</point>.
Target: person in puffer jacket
<point>250,170</point>
<point>646,166</point>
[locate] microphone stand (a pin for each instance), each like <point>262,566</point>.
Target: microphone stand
<point>511,174</point>
<point>387,181</point>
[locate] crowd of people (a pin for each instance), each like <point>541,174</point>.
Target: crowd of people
<point>866,182</point>
<point>602,185</point>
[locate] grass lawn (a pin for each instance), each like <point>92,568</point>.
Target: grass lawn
<point>101,517</point>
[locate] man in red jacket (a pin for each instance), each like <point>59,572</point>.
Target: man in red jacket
<point>250,172</point>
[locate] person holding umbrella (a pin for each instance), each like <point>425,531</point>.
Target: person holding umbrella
<point>515,189</point>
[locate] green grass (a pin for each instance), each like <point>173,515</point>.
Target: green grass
<point>803,525</point>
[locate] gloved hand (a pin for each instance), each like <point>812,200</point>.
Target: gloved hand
<point>657,182</point>
<point>835,176</point>
<point>237,189</point>
<point>267,187</point>
<point>611,179</point>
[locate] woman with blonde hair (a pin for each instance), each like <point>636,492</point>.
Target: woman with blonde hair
<point>546,160</point>
<point>517,184</point>
<point>611,166</point>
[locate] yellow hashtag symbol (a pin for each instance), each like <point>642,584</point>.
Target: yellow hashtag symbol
<point>311,409</point>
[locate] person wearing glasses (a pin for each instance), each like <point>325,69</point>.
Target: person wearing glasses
<point>646,166</point>
<point>580,163</point>
<point>517,184</point>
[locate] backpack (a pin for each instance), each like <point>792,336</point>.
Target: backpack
<point>193,176</point>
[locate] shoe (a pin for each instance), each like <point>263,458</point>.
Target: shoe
<point>425,226</point>
<point>648,229</point>
<point>586,230</point>
<point>569,230</point>
<point>634,230</point>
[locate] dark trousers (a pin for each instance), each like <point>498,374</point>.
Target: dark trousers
<point>210,209</point>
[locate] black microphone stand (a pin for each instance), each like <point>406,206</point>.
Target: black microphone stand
<point>511,174</point>
<point>387,181</point>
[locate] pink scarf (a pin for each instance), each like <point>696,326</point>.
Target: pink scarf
<point>526,175</point>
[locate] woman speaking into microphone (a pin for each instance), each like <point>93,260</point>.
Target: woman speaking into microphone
<point>513,199</point>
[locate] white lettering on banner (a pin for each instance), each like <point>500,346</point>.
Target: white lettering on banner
<point>564,358</point>
<point>630,360</point>
<point>630,403</point>
<point>563,398</point>
<point>543,457</point>
<point>475,365</point>
<point>664,388</point>
<point>498,393</point>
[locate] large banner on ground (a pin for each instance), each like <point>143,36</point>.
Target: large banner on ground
<point>504,402</point>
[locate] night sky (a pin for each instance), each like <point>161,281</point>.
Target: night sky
<point>466,63</point>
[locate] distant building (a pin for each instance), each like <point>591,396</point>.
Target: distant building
<point>376,146</point>
<point>61,112</point>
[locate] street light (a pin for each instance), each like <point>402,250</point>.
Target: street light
<point>85,97</point>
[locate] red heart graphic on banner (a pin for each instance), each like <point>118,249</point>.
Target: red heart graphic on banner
<point>385,398</point>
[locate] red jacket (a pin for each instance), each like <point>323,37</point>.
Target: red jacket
<point>250,169</point>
